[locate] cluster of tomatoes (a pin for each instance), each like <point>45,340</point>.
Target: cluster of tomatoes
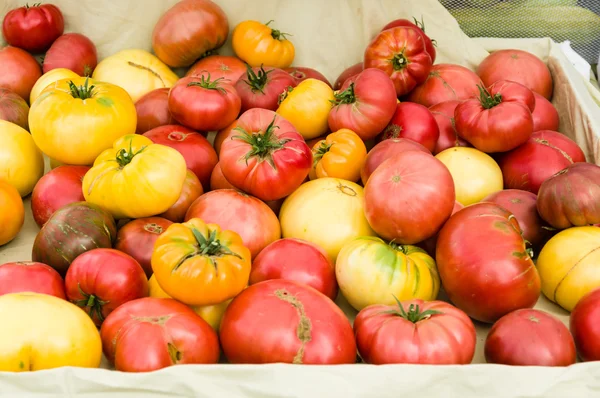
<point>158,247</point>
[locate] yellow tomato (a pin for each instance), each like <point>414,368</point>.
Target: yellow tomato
<point>328,212</point>
<point>74,120</point>
<point>341,155</point>
<point>135,178</point>
<point>48,78</point>
<point>307,107</point>
<point>45,332</point>
<point>476,175</point>
<point>210,313</point>
<point>12,212</point>
<point>21,162</point>
<point>568,265</point>
<point>258,44</point>
<point>137,71</point>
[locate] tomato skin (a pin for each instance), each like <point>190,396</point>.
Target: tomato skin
<point>13,108</point>
<point>300,74</point>
<point>33,28</point>
<point>72,51</point>
<point>430,244</point>
<point>152,110</point>
<point>444,116</point>
<point>28,276</point>
<point>49,78</point>
<point>419,27</point>
<point>529,337</point>
<point>545,116</point>
<point>225,66</point>
<point>153,333</point>
<point>192,190</point>
<point>415,122</point>
<point>484,265</point>
<point>283,160</point>
<point>258,44</point>
<point>261,87</point>
<point>411,62</point>
<point>446,82</point>
<point>447,337</point>
<point>137,238</point>
<point>585,328</point>
<point>305,327</point>
<point>340,155</point>
<point>349,72</point>
<point>385,150</point>
<point>365,104</point>
<point>18,71</point>
<point>218,180</point>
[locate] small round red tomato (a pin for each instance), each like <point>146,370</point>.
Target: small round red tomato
<point>218,180</point>
<point>153,110</point>
<point>585,326</point>
<point>100,280</point>
<point>261,88</point>
<point>529,337</point>
<point>137,238</point>
<point>57,188</point>
<point>296,260</point>
<point>72,51</point>
<point>414,122</point>
<point>364,104</point>
<point>349,72</point>
<point>18,71</point>
<point>203,103</point>
<point>33,28</point>
<point>27,276</point>
<point>415,332</point>
<point>192,189</point>
<point>152,333</point>
<point>446,82</point>
<point>300,74</point>
<point>225,66</point>
<point>385,150</point>
<point>284,321</point>
<point>265,155</point>
<point>13,108</point>
<point>444,116</point>
<point>545,115</point>
<point>419,26</point>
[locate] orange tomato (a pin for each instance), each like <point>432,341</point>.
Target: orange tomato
<point>340,155</point>
<point>12,212</point>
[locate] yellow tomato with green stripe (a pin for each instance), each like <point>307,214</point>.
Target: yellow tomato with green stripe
<point>371,271</point>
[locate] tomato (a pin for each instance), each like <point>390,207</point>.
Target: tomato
<point>371,271</point>
<point>415,332</point>
<point>446,82</point>
<point>18,71</point>
<point>135,178</point>
<point>218,180</point>
<point>300,74</point>
<point>192,190</point>
<point>415,122</point>
<point>545,115</point>
<point>341,155</point>
<point>88,114</point>
<point>135,70</point>
<point>12,212</point>
<point>27,276</point>
<point>296,260</point>
<point>137,238</point>
<point>33,28</point>
<point>401,53</point>
<point>153,333</point>
<point>236,211</point>
<point>72,51</point>
<point>57,188</point>
<point>349,72</point>
<point>47,79</point>
<point>304,326</point>
<point>585,328</point>
<point>484,264</point>
<point>188,30</point>
<point>517,66</point>
<point>261,88</point>
<point>225,66</point>
<point>385,150</point>
<point>266,157</point>
<point>46,333</point>
<point>203,104</point>
<point>529,337</point>
<point>199,155</point>
<point>152,110</point>
<point>419,26</point>
<point>409,197</point>
<point>444,116</point>
<point>568,265</point>
<point>13,108</point>
<point>200,264</point>
<point>430,244</point>
<point>21,162</point>
<point>258,44</point>
<point>222,135</point>
<point>365,104</point>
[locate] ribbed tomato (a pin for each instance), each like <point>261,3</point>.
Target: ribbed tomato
<point>419,26</point>
<point>446,82</point>
<point>33,28</point>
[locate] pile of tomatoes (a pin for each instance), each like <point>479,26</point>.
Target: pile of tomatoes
<point>220,215</point>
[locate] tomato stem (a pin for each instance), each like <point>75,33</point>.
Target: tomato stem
<point>487,100</point>
<point>399,61</point>
<point>207,84</point>
<point>345,97</point>
<point>263,144</point>
<point>91,304</point>
<point>284,95</point>
<point>414,313</point>
<point>257,81</point>
<point>320,151</point>
<point>124,157</point>
<point>212,246</point>
<point>82,92</point>
<point>277,34</point>
<point>398,247</point>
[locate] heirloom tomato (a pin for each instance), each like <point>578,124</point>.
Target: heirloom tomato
<point>261,88</point>
<point>218,180</point>
<point>545,116</point>
<point>349,72</point>
<point>49,78</point>
<point>153,110</point>
<point>18,71</point>
<point>27,276</point>
<point>12,212</point>
<point>258,44</point>
<point>225,66</point>
<point>446,82</point>
<point>415,122</point>
<point>341,155</point>
<point>13,108</point>
<point>192,189</point>
<point>33,28</point>
<point>135,178</point>
<point>585,327</point>
<point>300,74</point>
<point>444,116</point>
<point>72,51</point>
<point>385,150</point>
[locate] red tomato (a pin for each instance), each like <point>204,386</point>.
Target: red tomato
<point>296,260</point>
<point>266,157</point>
<point>446,82</point>
<point>429,245</point>
<point>545,115</point>
<point>236,211</point>
<point>152,333</point>
<point>419,26</point>
<point>56,189</point>
<point>415,332</point>
<point>26,276</point>
<point>285,321</point>
<point>33,28</point>
<point>225,66</point>
<point>401,53</point>
<point>72,51</point>
<point>585,326</point>
<point>387,149</point>
<point>349,72</point>
<point>153,110</point>
<point>192,189</point>
<point>444,116</point>
<point>300,74</point>
<point>529,337</point>
<point>13,108</point>
<point>517,66</point>
<point>409,197</point>
<point>484,264</point>
<point>18,71</point>
<point>414,122</point>
<point>498,121</point>
<point>218,180</point>
<point>137,238</point>
<point>199,155</point>
<point>100,280</point>
<point>364,104</point>
<point>205,104</point>
<point>261,88</point>
<point>222,135</point>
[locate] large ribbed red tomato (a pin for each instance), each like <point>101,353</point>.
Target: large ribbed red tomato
<point>444,116</point>
<point>415,122</point>
<point>446,82</point>
<point>261,87</point>
<point>27,276</point>
<point>33,28</point>
<point>153,110</point>
<point>585,327</point>
<point>419,26</point>
<point>545,115</point>
<point>385,150</point>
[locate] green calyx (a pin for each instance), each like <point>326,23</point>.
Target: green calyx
<point>124,156</point>
<point>91,304</point>
<point>211,246</point>
<point>262,144</point>
<point>399,61</point>
<point>488,100</point>
<point>397,247</point>
<point>257,81</point>
<point>27,6</point>
<point>318,154</point>
<point>345,97</point>
<point>414,313</point>
<point>82,92</point>
<point>277,34</point>
<point>285,94</point>
<point>208,84</point>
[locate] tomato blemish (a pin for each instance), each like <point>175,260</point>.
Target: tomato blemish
<point>304,328</point>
